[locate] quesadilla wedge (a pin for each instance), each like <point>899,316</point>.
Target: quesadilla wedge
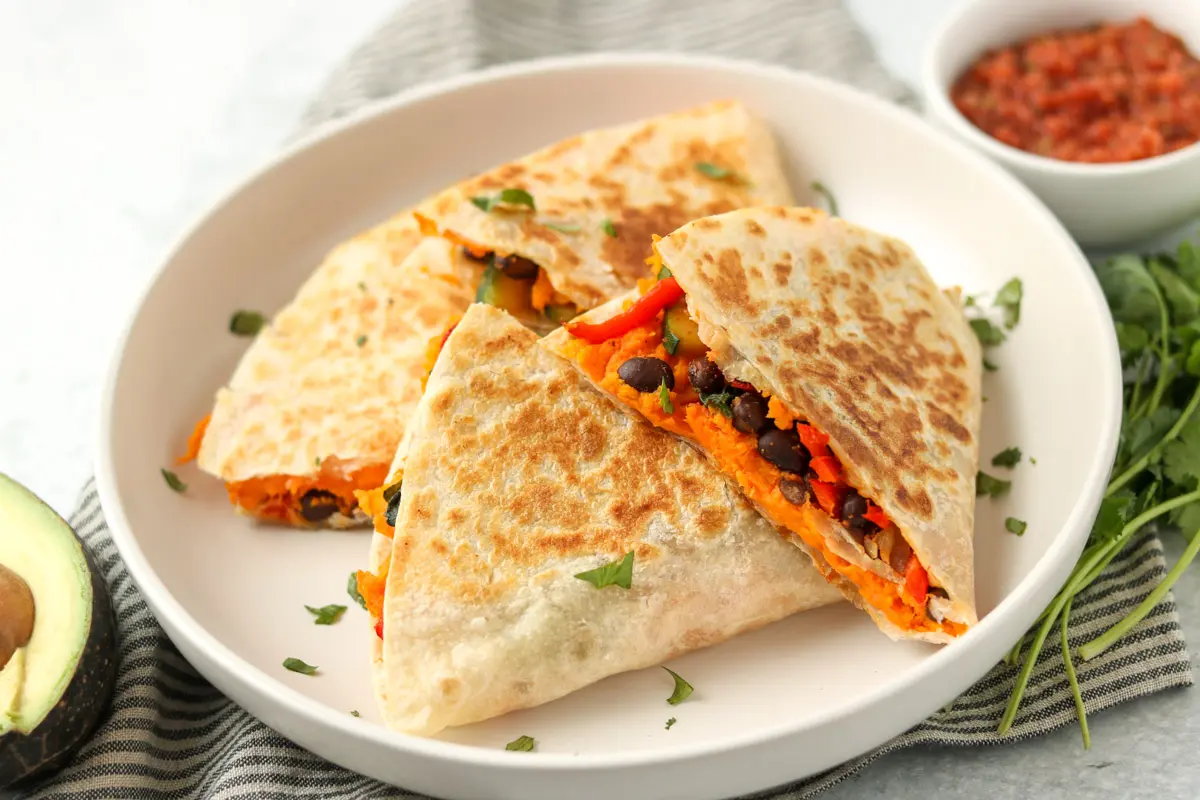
<point>569,226</point>
<point>516,477</point>
<point>817,364</point>
<point>318,403</point>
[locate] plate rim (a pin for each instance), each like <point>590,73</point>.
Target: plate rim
<point>1051,568</point>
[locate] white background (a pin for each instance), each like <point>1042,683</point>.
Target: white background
<point>122,121</point>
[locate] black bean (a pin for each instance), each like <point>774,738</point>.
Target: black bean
<point>782,448</point>
<point>750,413</point>
<point>393,505</point>
<point>853,505</point>
<point>318,505</point>
<point>517,267</point>
<point>937,591</point>
<point>646,373</point>
<point>705,376</point>
<point>794,490</point>
<point>466,251</point>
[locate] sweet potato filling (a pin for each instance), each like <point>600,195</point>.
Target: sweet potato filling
<point>303,499</point>
<point>737,454</point>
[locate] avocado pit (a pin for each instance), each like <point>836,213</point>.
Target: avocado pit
<point>16,614</point>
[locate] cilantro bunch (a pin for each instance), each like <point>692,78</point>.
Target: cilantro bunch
<point>1155,305</point>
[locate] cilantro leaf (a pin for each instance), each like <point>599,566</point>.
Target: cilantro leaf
<point>1114,512</point>
<point>987,333</point>
<point>1133,296</point>
<point>664,398</point>
<point>563,227</point>
<point>1181,458</point>
<point>523,744</point>
<point>1188,263</point>
<point>1131,338</point>
<point>670,722</point>
<point>1192,365</point>
<point>607,226</point>
<point>361,340</point>
<point>326,615</point>
<point>616,573</point>
<point>355,714</point>
<point>1009,457</point>
<point>683,689</point>
<point>992,487</point>
<point>721,402</point>
<point>1187,519</point>
<point>1183,299</point>
<point>663,274</point>
<point>511,197</point>
<point>246,323</point>
<point>1014,525</point>
<point>173,481</point>
<point>1146,432</point>
<point>1009,298</point>
<point>352,590</point>
<point>718,173</point>
<point>296,665</point>
<point>670,342</point>
<point>989,366</point>
<point>830,201</point>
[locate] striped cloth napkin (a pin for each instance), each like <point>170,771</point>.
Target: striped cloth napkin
<point>172,735</point>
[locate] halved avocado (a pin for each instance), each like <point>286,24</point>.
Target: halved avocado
<point>57,685</point>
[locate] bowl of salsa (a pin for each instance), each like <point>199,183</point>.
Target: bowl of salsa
<point>1094,104</point>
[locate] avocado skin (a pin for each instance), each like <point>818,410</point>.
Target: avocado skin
<point>77,713</point>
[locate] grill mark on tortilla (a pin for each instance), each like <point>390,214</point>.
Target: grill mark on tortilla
<point>629,249</point>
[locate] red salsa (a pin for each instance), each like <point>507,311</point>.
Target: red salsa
<point>1107,93</point>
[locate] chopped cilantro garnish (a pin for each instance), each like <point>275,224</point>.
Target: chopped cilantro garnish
<point>510,197</point>
<point>607,226</point>
<point>663,274</point>
<point>1014,525</point>
<point>352,590</point>
<point>719,173</point>
<point>1009,299</point>
<point>361,340</point>
<point>992,487</point>
<point>721,402</point>
<point>523,744</point>
<point>670,342</point>
<point>296,665</point>
<point>173,481</point>
<point>326,615</point>
<point>355,714</point>
<point>987,333</point>
<point>664,398</point>
<point>1008,457</point>
<point>670,722</point>
<point>683,689</point>
<point>246,323</point>
<point>563,227</point>
<point>616,573</point>
<point>830,200</point>
<point>989,366</point>
<point>362,285</point>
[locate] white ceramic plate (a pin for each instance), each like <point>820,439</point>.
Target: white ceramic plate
<point>769,707</point>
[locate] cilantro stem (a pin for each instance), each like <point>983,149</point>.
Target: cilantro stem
<point>1164,364</point>
<point>1106,640</point>
<point>1136,396</point>
<point>1080,711</point>
<point>1136,467</point>
<point>1035,649</point>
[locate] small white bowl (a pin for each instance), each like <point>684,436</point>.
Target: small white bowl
<point>1102,205</point>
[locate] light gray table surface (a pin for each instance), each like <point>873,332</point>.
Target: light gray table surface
<point>123,120</point>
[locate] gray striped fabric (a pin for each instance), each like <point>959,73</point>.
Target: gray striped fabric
<point>172,735</point>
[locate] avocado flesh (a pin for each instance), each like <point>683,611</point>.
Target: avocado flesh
<point>38,546</point>
<point>54,689</point>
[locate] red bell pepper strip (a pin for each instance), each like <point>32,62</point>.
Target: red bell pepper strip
<point>827,468</point>
<point>745,387</point>
<point>876,514</point>
<point>816,442</point>
<point>828,496</point>
<point>916,579</point>
<point>379,628</point>
<point>646,308</point>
